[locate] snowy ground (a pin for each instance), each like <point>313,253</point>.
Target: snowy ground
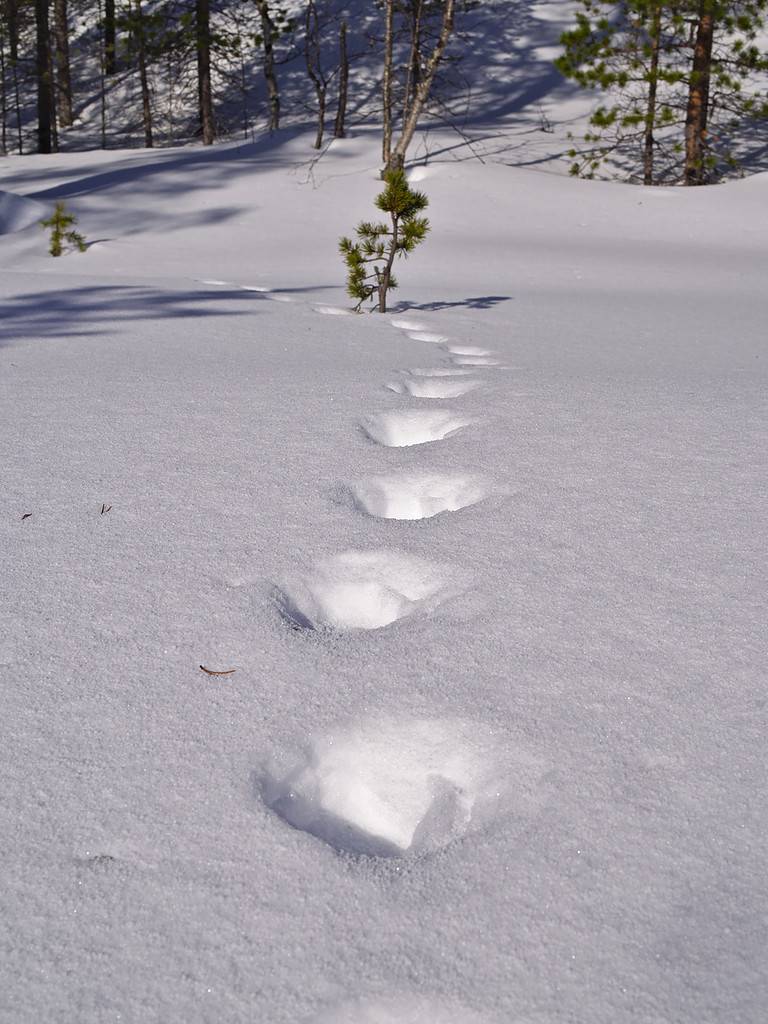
<point>494,749</point>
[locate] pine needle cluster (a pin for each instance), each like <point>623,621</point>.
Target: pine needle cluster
<point>61,223</point>
<point>371,257</point>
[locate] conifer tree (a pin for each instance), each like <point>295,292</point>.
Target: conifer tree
<point>371,258</point>
<point>670,72</point>
<point>61,223</point>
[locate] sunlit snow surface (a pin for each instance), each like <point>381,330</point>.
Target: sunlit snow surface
<point>387,787</point>
<point>553,593</point>
<point>417,496</point>
<point>417,1009</point>
<point>362,590</point>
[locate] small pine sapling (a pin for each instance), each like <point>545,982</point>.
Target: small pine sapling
<point>61,224</point>
<point>370,259</point>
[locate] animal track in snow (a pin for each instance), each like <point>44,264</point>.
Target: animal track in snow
<point>469,350</point>
<point>428,336</point>
<point>424,387</point>
<point>398,1010</point>
<point>408,325</point>
<point>475,360</point>
<point>363,590</point>
<point>388,787</point>
<point>416,495</point>
<point>401,428</point>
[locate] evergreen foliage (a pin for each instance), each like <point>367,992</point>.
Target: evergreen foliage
<point>370,259</point>
<point>61,223</point>
<point>643,55</point>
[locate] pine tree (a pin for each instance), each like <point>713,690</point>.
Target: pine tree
<point>677,78</point>
<point>371,258</point>
<point>61,223</point>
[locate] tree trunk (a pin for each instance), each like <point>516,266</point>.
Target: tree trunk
<point>414,58</point>
<point>341,110</point>
<point>314,67</point>
<point>386,85</point>
<point>203,39</point>
<point>102,78</point>
<point>63,76</point>
<point>267,35</point>
<point>698,97</point>
<point>385,276</point>
<point>110,38</point>
<point>3,95</point>
<point>12,16</point>
<point>43,74</point>
<point>650,111</point>
<point>141,48</point>
<point>397,157</point>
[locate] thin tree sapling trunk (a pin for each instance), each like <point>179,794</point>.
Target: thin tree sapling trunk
<point>414,57</point>
<point>397,157</point>
<point>3,95</point>
<point>653,82</point>
<point>314,67</point>
<point>386,85</point>
<point>267,38</point>
<point>141,53</point>
<point>63,74</point>
<point>341,110</point>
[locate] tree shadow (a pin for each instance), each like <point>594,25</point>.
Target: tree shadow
<point>474,302</point>
<point>110,309</point>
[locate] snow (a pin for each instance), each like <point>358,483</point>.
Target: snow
<point>416,495</point>
<point>399,1010</point>
<point>361,590</point>
<point>17,212</point>
<point>438,388</point>
<point>400,428</point>
<point>551,587</point>
<point>386,788</point>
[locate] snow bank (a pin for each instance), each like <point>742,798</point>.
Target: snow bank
<point>387,786</point>
<point>17,213</point>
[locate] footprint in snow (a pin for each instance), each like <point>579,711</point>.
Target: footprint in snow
<point>405,1009</point>
<point>393,787</point>
<point>475,360</point>
<point>469,350</point>
<point>363,590</point>
<point>425,387</point>
<point>416,495</point>
<point>428,336</point>
<point>439,371</point>
<point>401,428</point>
<point>405,324</point>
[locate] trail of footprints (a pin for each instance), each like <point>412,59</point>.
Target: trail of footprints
<point>392,786</point>
<point>395,786</point>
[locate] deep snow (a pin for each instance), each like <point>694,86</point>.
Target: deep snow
<point>546,707</point>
